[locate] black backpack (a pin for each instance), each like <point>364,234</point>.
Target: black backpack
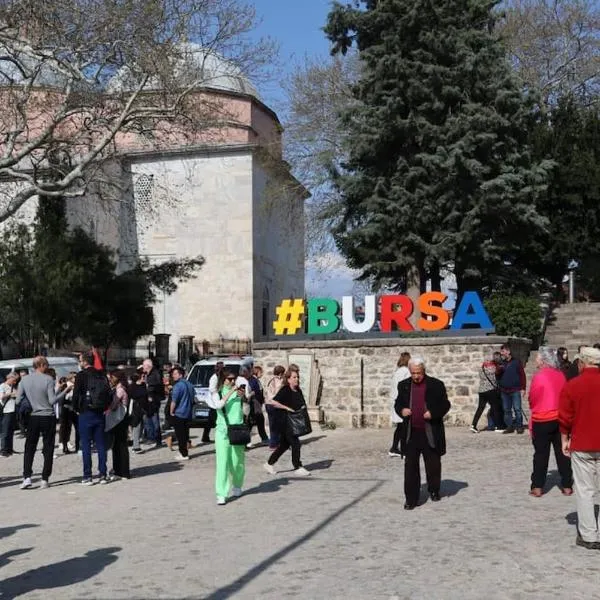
<point>98,393</point>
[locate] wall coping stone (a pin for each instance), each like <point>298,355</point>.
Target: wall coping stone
<point>393,341</point>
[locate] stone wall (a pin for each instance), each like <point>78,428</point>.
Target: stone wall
<point>454,360</point>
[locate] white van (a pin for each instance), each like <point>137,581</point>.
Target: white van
<point>63,365</point>
<point>199,376</point>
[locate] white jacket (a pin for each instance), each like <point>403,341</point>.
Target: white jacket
<point>400,374</point>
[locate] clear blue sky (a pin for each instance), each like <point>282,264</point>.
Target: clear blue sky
<point>296,27</point>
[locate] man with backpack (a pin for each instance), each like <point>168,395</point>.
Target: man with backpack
<point>91,397</point>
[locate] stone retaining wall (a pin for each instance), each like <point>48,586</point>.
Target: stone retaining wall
<point>454,360</point>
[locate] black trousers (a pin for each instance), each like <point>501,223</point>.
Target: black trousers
<point>44,426</point>
<point>286,441</point>
<point>396,439</point>
<point>259,421</point>
<point>546,434</point>
<point>120,451</point>
<point>182,431</point>
<point>68,421</point>
<point>416,446</point>
<point>492,398</point>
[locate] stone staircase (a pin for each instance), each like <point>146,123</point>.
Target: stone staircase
<point>573,325</point>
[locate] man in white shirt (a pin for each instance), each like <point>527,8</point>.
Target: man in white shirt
<point>8,393</point>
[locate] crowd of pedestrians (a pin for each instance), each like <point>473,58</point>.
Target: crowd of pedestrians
<point>564,404</point>
<point>107,409</point>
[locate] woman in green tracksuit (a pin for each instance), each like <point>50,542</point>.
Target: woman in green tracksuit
<point>231,460</point>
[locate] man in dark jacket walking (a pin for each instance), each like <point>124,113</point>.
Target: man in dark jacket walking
<point>156,394</point>
<point>423,402</point>
<point>512,382</point>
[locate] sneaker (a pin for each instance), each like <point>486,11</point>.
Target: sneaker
<point>473,429</point>
<point>498,430</point>
<point>114,477</point>
<point>221,501</point>
<point>236,492</point>
<point>26,483</point>
<point>509,430</point>
<point>249,446</point>
<point>103,480</point>
<point>87,482</point>
<point>71,447</point>
<point>393,453</point>
<point>520,429</point>
<point>589,545</point>
<point>302,471</point>
<point>79,453</point>
<point>270,469</point>
<point>181,457</point>
<point>44,485</point>
<point>137,451</point>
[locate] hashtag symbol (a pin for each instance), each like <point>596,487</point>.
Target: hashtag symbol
<point>289,317</point>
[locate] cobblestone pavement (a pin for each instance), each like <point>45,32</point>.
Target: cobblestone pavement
<point>341,533</point>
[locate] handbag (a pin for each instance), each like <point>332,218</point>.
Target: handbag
<point>114,417</point>
<point>238,435</point>
<point>299,422</point>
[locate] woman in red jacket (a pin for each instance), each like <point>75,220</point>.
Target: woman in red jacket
<point>544,395</point>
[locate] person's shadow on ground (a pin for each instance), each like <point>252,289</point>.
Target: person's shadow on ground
<point>60,574</point>
<point>448,488</point>
<point>6,531</point>
<point>7,556</point>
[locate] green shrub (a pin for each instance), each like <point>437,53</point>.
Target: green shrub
<point>515,316</point>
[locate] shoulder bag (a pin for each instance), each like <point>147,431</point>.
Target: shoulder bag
<point>239,435</point>
<point>299,422</point>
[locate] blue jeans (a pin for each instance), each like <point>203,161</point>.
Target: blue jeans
<point>91,427</point>
<point>152,427</point>
<point>510,401</point>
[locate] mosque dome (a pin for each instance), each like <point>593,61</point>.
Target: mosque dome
<point>194,64</point>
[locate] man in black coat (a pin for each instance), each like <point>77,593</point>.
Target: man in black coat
<point>422,402</point>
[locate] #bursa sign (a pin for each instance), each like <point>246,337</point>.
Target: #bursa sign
<point>325,315</point>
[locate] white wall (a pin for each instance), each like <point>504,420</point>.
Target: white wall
<point>200,206</point>
<point>278,243</point>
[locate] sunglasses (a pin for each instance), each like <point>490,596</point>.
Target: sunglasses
<point>229,378</point>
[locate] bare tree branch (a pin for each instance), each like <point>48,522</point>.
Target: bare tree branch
<point>85,79</point>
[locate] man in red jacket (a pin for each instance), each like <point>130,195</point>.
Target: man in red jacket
<point>579,417</point>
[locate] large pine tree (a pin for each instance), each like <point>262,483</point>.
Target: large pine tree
<point>439,171</point>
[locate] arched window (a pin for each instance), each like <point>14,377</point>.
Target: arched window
<point>266,311</point>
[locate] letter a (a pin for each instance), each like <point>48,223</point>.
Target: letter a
<point>471,311</point>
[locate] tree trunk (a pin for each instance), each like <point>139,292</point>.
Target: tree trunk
<point>435,277</point>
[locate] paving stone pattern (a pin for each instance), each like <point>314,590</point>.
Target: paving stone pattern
<point>340,534</point>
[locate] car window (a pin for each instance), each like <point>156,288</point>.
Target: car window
<point>64,370</point>
<point>200,374</point>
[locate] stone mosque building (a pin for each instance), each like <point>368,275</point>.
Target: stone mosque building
<point>228,197</point>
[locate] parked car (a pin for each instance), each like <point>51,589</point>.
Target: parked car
<point>199,376</point>
<point>63,365</point>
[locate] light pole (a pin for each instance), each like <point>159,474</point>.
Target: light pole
<point>573,264</point>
